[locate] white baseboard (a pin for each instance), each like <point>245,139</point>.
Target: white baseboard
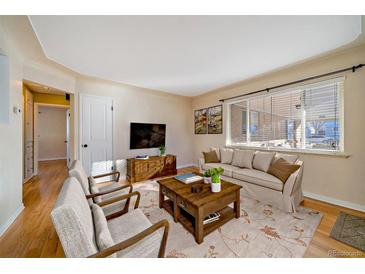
<point>12,218</point>
<point>334,201</point>
<point>52,159</point>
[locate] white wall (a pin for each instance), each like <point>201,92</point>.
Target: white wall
<point>11,149</point>
<point>52,133</point>
<point>19,43</point>
<point>132,104</point>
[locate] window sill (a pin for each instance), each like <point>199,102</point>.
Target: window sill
<point>298,151</point>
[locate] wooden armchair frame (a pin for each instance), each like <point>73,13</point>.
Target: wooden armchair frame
<point>108,174</point>
<point>138,237</point>
<point>115,199</point>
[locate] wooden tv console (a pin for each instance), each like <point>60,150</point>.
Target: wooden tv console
<point>154,167</point>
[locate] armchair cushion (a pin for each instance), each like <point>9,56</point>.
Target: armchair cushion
<point>95,190</point>
<point>73,221</point>
<point>77,171</point>
<point>102,234</point>
<point>127,226</point>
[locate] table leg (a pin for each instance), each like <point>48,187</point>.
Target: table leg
<point>176,211</point>
<point>199,227</point>
<point>161,197</point>
<point>237,206</point>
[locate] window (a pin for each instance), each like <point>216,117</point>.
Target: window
<point>306,117</point>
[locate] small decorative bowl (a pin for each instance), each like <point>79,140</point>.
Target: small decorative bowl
<point>196,188</point>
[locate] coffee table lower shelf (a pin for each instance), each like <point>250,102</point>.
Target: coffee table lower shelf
<point>188,221</point>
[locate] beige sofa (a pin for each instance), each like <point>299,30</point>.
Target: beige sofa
<point>248,168</point>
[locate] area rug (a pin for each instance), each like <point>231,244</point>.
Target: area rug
<point>350,230</point>
<point>261,231</point>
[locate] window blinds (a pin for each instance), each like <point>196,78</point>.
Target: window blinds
<point>306,117</point>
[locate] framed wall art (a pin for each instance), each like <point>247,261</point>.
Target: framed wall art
<point>200,121</point>
<point>215,120</point>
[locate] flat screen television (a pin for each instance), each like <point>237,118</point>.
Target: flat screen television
<point>147,135</point>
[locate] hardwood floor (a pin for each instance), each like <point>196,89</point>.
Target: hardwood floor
<point>32,234</point>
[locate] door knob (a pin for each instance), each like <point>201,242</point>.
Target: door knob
<point>85,145</point>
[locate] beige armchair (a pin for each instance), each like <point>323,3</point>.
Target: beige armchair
<point>89,233</point>
<point>98,194</point>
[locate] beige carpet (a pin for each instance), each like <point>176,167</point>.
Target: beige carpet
<point>261,231</point>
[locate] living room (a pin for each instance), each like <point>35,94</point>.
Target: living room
<point>188,136</point>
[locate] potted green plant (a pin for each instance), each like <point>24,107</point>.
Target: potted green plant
<point>207,177</point>
<point>215,174</point>
<point>162,150</point>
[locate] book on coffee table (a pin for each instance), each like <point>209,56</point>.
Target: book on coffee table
<point>188,178</point>
<point>211,218</point>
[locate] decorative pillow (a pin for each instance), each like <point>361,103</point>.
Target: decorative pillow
<point>226,155</point>
<point>243,158</point>
<point>210,157</point>
<point>291,158</point>
<point>216,151</point>
<point>102,234</point>
<point>262,160</point>
<point>94,190</point>
<point>282,169</point>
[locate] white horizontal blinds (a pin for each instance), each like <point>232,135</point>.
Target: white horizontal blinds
<point>306,117</point>
<point>260,120</point>
<point>322,111</point>
<point>286,118</point>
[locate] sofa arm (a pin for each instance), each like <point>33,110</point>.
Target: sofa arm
<point>294,182</point>
<point>201,163</point>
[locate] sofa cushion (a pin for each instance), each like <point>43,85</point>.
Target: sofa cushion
<point>228,169</point>
<point>127,226</point>
<point>282,169</point>
<point>216,151</point>
<point>262,160</point>
<point>291,158</point>
<point>226,155</point>
<point>243,158</point>
<point>258,177</point>
<point>103,237</point>
<point>210,157</point>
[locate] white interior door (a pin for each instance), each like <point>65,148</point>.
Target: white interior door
<point>97,134</point>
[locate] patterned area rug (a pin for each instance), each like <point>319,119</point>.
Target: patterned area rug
<point>350,230</point>
<point>261,231</point>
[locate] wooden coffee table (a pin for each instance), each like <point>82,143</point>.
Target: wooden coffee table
<point>190,208</point>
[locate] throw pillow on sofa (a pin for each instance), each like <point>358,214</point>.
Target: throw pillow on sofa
<point>216,151</point>
<point>262,160</point>
<point>243,158</point>
<point>210,157</point>
<point>226,155</point>
<point>282,169</point>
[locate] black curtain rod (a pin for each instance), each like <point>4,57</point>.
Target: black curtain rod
<point>353,69</point>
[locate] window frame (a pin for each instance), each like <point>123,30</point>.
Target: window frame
<point>339,152</point>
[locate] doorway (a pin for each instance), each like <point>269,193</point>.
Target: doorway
<point>46,121</point>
